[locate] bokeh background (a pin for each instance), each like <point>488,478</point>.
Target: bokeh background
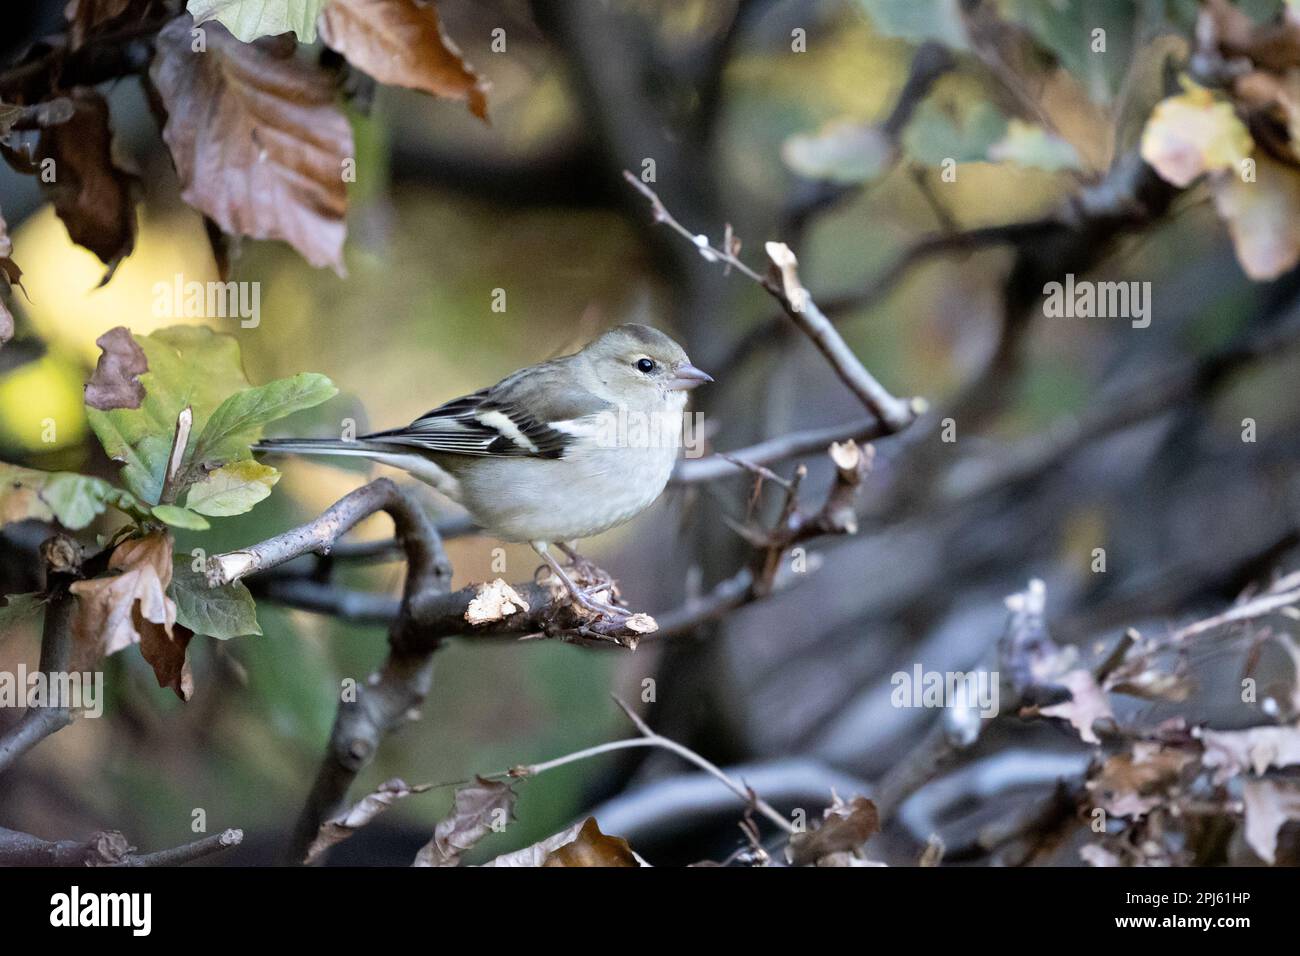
<point>447,209</point>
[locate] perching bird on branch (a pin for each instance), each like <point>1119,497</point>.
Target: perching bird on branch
<point>561,450</point>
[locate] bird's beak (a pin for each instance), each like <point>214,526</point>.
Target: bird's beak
<point>687,376</point>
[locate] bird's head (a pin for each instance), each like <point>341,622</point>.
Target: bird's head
<point>638,360</point>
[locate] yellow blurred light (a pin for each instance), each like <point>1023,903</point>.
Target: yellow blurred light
<point>40,404</point>
<point>64,306</point>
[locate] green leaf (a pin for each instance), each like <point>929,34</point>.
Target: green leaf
<point>180,517</point>
<point>937,133</point>
<point>223,612</point>
<point>238,421</point>
<point>1030,145</point>
<point>250,19</point>
<point>919,20</point>
<point>841,152</point>
<point>18,609</point>
<point>188,365</point>
<point>232,489</point>
<point>72,500</point>
<point>1072,30</point>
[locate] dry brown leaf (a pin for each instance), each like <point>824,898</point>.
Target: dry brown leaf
<point>1133,784</point>
<point>116,383</point>
<point>1273,46</point>
<point>1087,704</point>
<point>257,139</point>
<point>541,853</point>
<point>1258,749</point>
<point>478,809</point>
<point>92,194</point>
<point>9,275</point>
<point>844,828</point>
<point>338,828</point>
<point>129,607</point>
<point>85,16</point>
<point>1263,217</point>
<point>592,848</point>
<point>1270,805</point>
<point>401,43</point>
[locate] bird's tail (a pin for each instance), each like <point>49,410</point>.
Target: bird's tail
<point>394,456</point>
<point>323,446</point>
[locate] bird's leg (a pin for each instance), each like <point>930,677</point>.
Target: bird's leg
<point>583,566</point>
<point>580,596</point>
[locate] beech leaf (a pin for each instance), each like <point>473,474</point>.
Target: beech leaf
<point>337,829</point>
<point>179,517</point>
<point>218,612</point>
<point>232,489</point>
<point>72,500</point>
<point>844,828</point>
<point>115,382</point>
<point>250,19</point>
<point>129,605</point>
<point>401,43</point>
<point>257,139</point>
<point>92,194</point>
<point>238,421</point>
<point>478,809</point>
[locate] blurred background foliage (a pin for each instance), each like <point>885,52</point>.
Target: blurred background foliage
<point>412,325</point>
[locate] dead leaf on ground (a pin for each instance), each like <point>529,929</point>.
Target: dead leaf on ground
<point>257,139</point>
<point>129,607</point>
<point>93,195</point>
<point>338,828</point>
<point>845,826</point>
<point>116,383</point>
<point>479,808</point>
<point>401,43</point>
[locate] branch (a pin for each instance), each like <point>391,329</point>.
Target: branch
<point>713,467</point>
<point>61,557</point>
<point>894,414</point>
<point>106,848</point>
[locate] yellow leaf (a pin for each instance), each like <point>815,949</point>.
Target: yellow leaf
<point>1263,218</point>
<point>1194,133</point>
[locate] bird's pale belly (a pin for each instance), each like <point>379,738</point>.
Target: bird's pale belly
<point>567,499</point>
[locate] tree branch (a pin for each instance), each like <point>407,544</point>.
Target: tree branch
<point>106,848</point>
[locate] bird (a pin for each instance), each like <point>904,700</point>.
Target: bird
<point>553,453</point>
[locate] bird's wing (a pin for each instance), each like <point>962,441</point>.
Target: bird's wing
<point>514,418</point>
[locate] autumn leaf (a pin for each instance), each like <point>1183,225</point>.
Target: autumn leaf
<point>1263,217</point>
<point>232,489</point>
<point>337,829</point>
<point>257,139</point>
<point>614,851</point>
<point>10,274</point>
<point>477,810</point>
<point>401,43</point>
<point>590,847</point>
<point>844,828</point>
<point>188,366</point>
<point>129,605</point>
<point>92,194</point>
<point>1232,752</point>
<point>116,380</point>
<point>1194,133</point>
<point>250,19</point>
<point>85,17</point>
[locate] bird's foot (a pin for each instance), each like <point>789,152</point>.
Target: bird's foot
<point>585,568</point>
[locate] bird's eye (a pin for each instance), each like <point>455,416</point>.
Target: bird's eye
<point>645,365</point>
